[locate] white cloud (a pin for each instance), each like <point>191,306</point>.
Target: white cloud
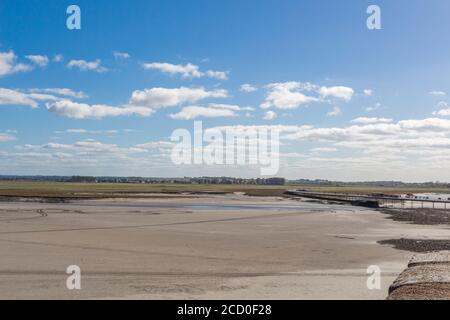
<point>58,58</point>
<point>230,107</point>
<point>134,149</point>
<point>219,75</point>
<point>39,60</point>
<point>67,108</point>
<point>323,149</point>
<point>336,111</point>
<point>42,97</point>
<point>339,92</point>
<point>5,137</point>
<point>442,112</point>
<point>193,112</point>
<point>8,64</point>
<point>162,145</point>
<point>414,149</point>
<point>443,109</point>
<point>77,131</point>
<point>368,92</point>
<point>286,95</point>
<point>365,120</point>
<point>62,92</point>
<point>403,134</point>
<point>247,88</point>
<point>85,131</point>
<point>13,97</point>
<point>188,70</point>
<point>290,95</point>
<point>32,97</point>
<point>121,55</point>
<point>142,103</point>
<point>437,93</point>
<point>424,137</point>
<point>270,115</point>
<point>375,107</point>
<point>87,157</point>
<point>163,97</point>
<point>429,124</point>
<point>84,65</point>
<point>213,110</point>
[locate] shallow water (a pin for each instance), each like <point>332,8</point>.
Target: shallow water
<point>198,205</point>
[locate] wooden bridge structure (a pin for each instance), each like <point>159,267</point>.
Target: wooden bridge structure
<point>374,200</point>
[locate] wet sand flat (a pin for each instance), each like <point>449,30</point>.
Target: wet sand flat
<point>209,247</point>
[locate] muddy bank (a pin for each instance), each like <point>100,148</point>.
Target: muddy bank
<point>417,245</point>
<point>419,216</point>
<point>226,247</point>
<point>427,277</point>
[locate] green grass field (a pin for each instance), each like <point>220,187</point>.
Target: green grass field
<point>102,190</point>
<point>89,190</point>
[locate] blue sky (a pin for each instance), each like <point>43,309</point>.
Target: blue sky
<point>306,63</point>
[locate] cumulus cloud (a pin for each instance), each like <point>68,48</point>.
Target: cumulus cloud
<point>442,112</point>
<point>58,58</point>
<point>32,97</point>
<point>193,112</point>
<point>61,91</point>
<point>429,124</point>
<point>87,147</point>
<point>368,92</point>
<point>5,137</point>
<point>8,64</point>
<point>286,95</point>
<point>336,111</point>
<point>269,115</point>
<point>247,88</point>
<point>437,93</point>
<point>372,120</point>
<point>375,107</point>
<point>423,137</point>
<point>92,157</point>
<point>70,109</point>
<point>219,75</point>
<point>323,149</point>
<point>213,110</point>
<point>188,70</point>
<point>77,131</point>
<point>121,55</point>
<point>292,94</point>
<point>161,145</point>
<point>164,97</point>
<point>405,134</point>
<point>443,109</point>
<point>339,92</point>
<point>86,131</point>
<point>84,65</point>
<point>363,150</point>
<point>41,61</point>
<point>142,102</point>
<point>13,97</point>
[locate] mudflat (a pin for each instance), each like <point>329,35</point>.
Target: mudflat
<point>199,247</point>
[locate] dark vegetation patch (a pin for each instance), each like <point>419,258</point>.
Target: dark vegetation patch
<point>418,245</point>
<point>419,216</point>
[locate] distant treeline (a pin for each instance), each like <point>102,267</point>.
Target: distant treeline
<point>387,184</point>
<point>225,180</point>
<point>185,180</point>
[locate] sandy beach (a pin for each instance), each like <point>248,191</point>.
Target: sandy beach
<point>200,247</point>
